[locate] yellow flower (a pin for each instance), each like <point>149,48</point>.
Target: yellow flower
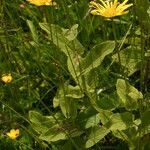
<point>13,134</point>
<point>7,78</point>
<point>109,9</point>
<point>42,2</point>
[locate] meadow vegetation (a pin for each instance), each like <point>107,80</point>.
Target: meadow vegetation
<point>74,74</point>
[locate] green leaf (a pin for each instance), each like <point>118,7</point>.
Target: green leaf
<point>96,55</point>
<point>48,127</point>
<point>71,33</point>
<point>120,121</point>
<point>33,30</point>
<point>129,135</point>
<point>55,34</point>
<point>148,11</point>
<point>73,67</point>
<point>105,116</point>
<point>53,134</point>
<point>70,92</point>
<point>130,58</point>
<point>92,121</point>
<point>88,118</point>
<point>66,98</point>
<point>73,92</point>
<point>96,134</point>
<point>68,107</point>
<point>108,102</point>
<point>64,40</point>
<point>103,102</point>
<point>128,94</point>
<point>56,101</point>
<point>77,66</point>
<point>61,132</point>
<point>41,123</point>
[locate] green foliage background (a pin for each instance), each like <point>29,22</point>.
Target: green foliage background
<point>79,81</point>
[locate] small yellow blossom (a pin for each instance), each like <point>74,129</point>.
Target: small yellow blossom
<point>42,2</point>
<point>13,134</point>
<point>7,78</point>
<point>109,8</point>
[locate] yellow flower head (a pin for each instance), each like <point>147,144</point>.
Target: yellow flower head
<point>42,2</point>
<point>13,134</point>
<point>7,78</point>
<point>109,8</point>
